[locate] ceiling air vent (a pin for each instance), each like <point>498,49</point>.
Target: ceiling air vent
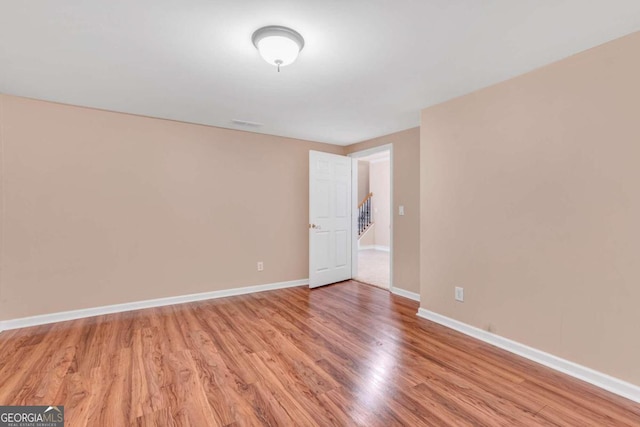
<point>246,123</point>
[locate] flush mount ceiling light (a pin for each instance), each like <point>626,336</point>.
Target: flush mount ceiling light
<point>278,45</point>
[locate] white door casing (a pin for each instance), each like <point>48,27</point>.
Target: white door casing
<point>329,218</point>
<point>354,202</point>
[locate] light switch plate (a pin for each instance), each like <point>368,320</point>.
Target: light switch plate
<point>401,210</point>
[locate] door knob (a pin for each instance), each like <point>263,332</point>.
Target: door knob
<point>317,227</point>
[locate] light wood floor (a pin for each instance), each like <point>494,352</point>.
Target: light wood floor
<point>347,354</point>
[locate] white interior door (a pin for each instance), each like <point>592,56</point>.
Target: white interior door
<point>329,218</point>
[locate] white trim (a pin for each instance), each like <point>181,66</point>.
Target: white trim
<point>404,293</point>
<point>375,247</point>
<point>375,157</point>
<point>599,379</point>
<point>354,185</point>
<point>369,151</point>
<point>137,305</point>
<point>383,159</point>
<point>355,240</point>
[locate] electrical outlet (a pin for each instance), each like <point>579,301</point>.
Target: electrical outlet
<point>459,294</point>
<point>260,265</point>
<point>401,210</point>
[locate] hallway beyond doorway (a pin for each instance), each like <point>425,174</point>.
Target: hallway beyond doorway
<point>373,267</point>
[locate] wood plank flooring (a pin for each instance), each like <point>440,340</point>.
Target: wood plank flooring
<point>342,355</point>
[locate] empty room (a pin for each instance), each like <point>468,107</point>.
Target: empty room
<point>305,213</point>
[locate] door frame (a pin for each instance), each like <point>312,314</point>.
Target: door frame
<point>354,204</point>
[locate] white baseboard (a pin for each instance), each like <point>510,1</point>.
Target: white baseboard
<point>137,305</point>
<point>404,293</point>
<point>375,247</point>
<point>599,379</point>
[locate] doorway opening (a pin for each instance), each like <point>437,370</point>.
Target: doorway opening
<point>372,247</point>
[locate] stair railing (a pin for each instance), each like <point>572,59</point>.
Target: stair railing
<point>365,219</point>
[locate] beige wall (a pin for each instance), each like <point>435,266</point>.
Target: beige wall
<point>531,201</point>
<point>369,237</point>
<point>406,188</point>
<point>380,179</point>
<point>363,180</point>
<point>103,208</point>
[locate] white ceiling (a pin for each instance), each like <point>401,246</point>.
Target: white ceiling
<point>367,68</point>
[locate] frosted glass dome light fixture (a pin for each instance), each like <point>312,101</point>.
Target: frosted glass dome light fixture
<point>278,45</point>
